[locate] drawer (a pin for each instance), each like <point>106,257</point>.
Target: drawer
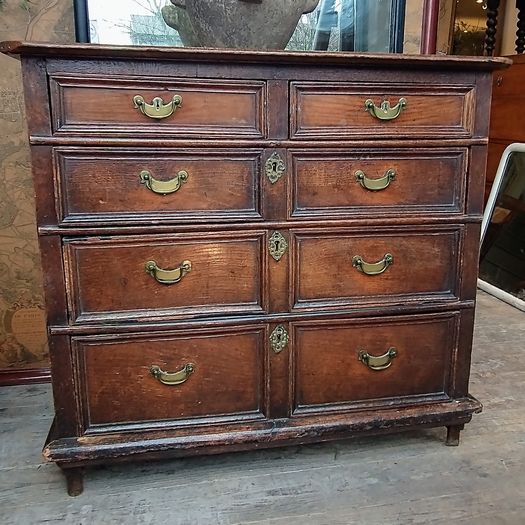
<point>338,110</point>
<point>151,277</point>
<point>394,359</point>
<point>390,182</point>
<point>144,185</point>
<point>179,376</point>
<point>184,108</point>
<point>339,268</point>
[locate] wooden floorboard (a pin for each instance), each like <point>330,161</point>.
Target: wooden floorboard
<point>400,479</point>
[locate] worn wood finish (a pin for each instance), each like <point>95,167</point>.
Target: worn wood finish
<point>111,321</point>
<point>330,376</point>
<point>325,182</point>
<point>424,264</point>
<point>224,56</point>
<point>94,106</point>
<point>118,388</point>
<point>25,376</point>
<point>227,275</point>
<point>336,111</point>
<point>507,114</point>
<point>104,186</point>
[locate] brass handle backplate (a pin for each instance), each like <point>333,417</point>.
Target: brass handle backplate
<point>385,111</point>
<point>380,362</point>
<point>157,109</point>
<point>163,187</point>
<point>176,378</point>
<point>168,276</point>
<point>375,184</point>
<point>373,268</point>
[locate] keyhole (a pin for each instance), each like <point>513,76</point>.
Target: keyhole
<point>157,104</point>
<point>277,245</point>
<point>274,167</point>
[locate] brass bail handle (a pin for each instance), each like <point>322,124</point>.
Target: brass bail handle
<point>163,187</point>
<point>385,111</point>
<point>168,276</point>
<point>376,268</point>
<point>175,378</point>
<point>157,109</point>
<point>380,362</point>
<point>375,184</point>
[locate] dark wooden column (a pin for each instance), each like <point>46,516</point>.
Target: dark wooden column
<point>492,22</point>
<point>520,33</point>
<point>429,27</point>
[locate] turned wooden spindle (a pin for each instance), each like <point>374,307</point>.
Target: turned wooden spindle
<point>520,33</point>
<point>492,22</point>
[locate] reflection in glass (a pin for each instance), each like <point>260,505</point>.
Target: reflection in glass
<point>334,25</point>
<point>349,25</point>
<point>502,260</point>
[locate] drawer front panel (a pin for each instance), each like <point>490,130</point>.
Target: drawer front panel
<point>335,111</point>
<point>144,186</point>
<point>202,374</point>
<point>341,362</point>
<point>343,269</point>
<point>379,182</point>
<point>208,109</point>
<point>166,276</point>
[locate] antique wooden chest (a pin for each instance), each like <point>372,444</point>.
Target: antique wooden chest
<point>247,249</point>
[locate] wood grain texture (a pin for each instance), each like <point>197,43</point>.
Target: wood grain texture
<point>426,182</point>
<point>334,111</point>
<point>329,374</point>
<point>507,115</point>
<point>227,275</point>
<point>424,263</point>
<point>91,105</point>
<point>119,389</point>
<point>104,186</point>
<point>224,56</point>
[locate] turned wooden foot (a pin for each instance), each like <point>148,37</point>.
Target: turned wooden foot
<point>453,435</point>
<point>74,480</point>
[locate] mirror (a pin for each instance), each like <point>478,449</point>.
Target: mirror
<point>502,256</point>
<point>295,25</point>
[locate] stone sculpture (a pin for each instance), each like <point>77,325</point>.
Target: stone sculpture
<point>251,24</point>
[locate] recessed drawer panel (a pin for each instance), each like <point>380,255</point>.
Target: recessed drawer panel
<point>160,276</point>
<point>205,109</point>
<point>378,182</point>
<point>101,186</point>
<point>338,363</point>
<point>342,268</point>
<point>176,376</point>
<point>346,110</point>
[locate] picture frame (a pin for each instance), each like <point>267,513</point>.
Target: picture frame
<point>500,210</point>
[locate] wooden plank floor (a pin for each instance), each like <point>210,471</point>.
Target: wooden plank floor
<point>402,479</point>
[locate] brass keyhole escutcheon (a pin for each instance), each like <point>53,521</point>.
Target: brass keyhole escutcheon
<point>279,339</point>
<point>275,168</point>
<point>277,245</point>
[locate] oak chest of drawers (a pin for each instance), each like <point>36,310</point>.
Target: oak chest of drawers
<point>254,249</point>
